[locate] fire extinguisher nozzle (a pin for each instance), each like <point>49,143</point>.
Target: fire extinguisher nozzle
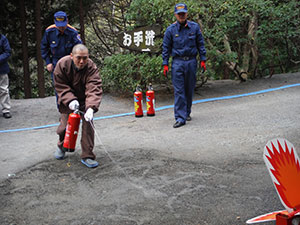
<point>150,88</point>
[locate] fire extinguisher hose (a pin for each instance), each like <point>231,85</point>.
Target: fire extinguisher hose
<point>114,162</point>
<point>109,155</point>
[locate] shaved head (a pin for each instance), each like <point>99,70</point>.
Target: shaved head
<point>79,48</point>
<point>80,56</point>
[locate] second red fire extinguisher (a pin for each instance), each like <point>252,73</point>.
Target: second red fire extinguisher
<point>138,102</point>
<point>71,132</point>
<point>150,100</point>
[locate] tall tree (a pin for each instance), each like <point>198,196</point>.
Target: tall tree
<point>81,20</point>
<point>107,19</point>
<point>40,65</point>
<point>27,82</point>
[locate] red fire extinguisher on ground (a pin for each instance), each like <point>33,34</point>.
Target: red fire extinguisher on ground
<point>138,102</point>
<point>150,100</point>
<point>71,131</point>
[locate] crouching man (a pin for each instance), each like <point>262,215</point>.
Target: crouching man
<point>78,84</point>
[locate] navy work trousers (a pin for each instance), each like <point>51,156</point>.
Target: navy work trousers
<point>184,81</point>
<point>52,77</point>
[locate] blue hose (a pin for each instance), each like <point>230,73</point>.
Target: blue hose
<point>162,108</point>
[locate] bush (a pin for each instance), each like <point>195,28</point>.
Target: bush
<point>122,73</point>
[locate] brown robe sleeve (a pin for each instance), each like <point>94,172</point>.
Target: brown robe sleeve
<point>62,84</point>
<point>93,88</point>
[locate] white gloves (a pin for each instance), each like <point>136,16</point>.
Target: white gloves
<point>74,105</point>
<point>88,116</point>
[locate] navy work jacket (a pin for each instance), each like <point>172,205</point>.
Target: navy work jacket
<point>5,52</point>
<point>183,41</point>
<point>56,45</point>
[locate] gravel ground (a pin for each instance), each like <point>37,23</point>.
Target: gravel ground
<point>210,171</point>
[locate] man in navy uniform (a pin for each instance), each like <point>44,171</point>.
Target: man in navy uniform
<point>183,40</point>
<point>58,41</point>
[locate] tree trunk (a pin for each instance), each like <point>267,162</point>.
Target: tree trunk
<point>27,82</point>
<point>81,19</point>
<point>254,48</point>
<point>226,74</point>
<point>249,47</point>
<point>233,66</point>
<point>40,64</point>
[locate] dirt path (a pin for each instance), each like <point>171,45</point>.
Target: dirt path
<point>210,171</point>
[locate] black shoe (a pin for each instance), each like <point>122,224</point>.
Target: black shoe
<point>178,124</point>
<point>188,118</point>
<point>6,115</point>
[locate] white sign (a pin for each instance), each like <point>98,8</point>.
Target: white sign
<point>138,38</point>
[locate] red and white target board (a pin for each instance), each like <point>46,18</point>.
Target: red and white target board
<point>283,165</point>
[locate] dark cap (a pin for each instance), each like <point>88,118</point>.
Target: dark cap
<point>180,8</point>
<point>60,19</point>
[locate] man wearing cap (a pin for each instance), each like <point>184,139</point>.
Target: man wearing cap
<point>183,40</point>
<point>58,41</point>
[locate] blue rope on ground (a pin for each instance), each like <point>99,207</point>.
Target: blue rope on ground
<point>163,107</point>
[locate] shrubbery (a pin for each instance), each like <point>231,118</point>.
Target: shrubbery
<point>252,38</point>
<point>124,72</point>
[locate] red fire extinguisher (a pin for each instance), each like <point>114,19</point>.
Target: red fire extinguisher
<point>150,100</point>
<point>71,131</point>
<point>138,102</point>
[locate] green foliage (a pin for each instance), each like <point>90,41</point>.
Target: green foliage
<point>49,89</point>
<point>122,73</point>
<point>144,12</point>
<point>278,25</point>
<point>12,29</point>
<point>276,36</point>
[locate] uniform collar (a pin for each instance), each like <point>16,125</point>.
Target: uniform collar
<point>186,25</point>
<point>57,32</point>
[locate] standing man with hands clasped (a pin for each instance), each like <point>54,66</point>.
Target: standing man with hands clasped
<point>183,40</point>
<point>78,85</point>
